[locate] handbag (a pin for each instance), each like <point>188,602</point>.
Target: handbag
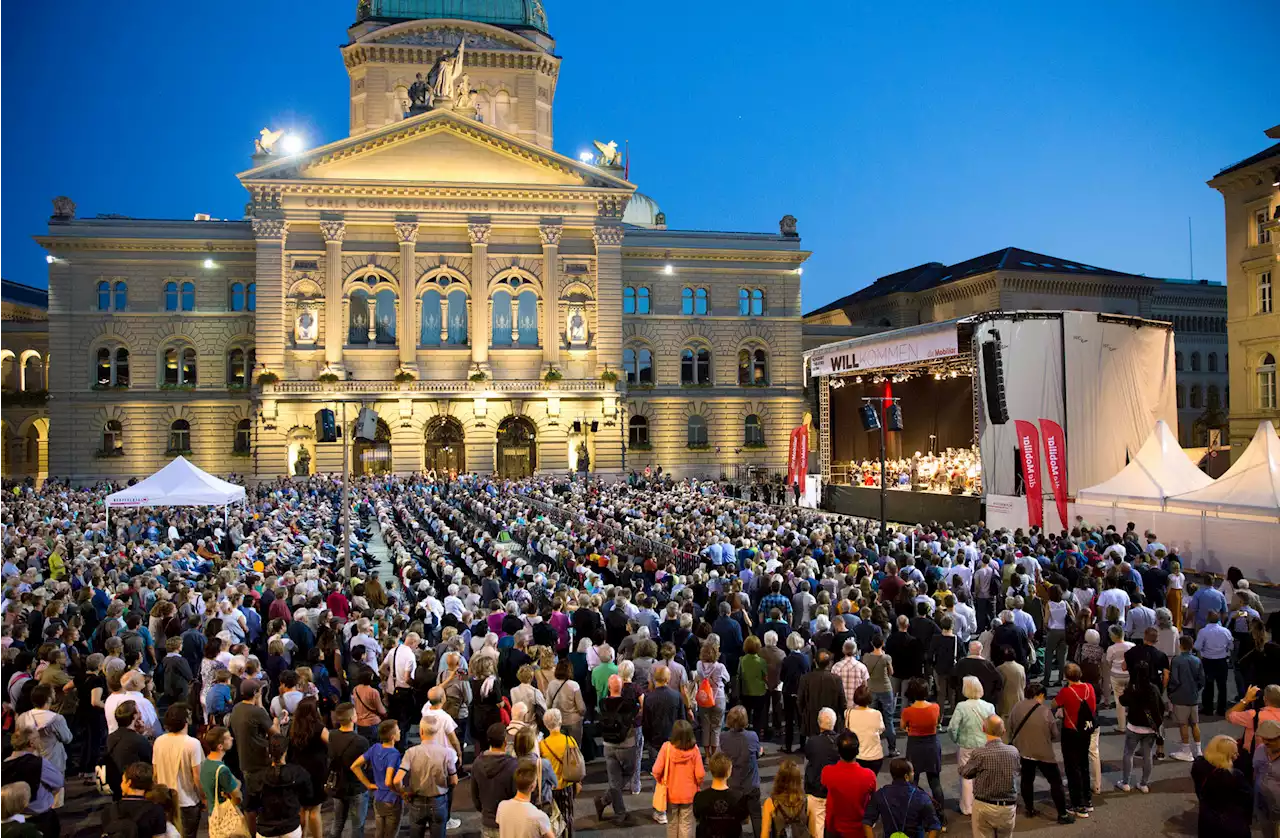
<point>573,768</point>
<point>660,790</point>
<point>549,806</point>
<point>226,820</point>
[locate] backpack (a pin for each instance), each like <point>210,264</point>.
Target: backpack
<point>705,696</point>
<point>1085,719</point>
<point>453,697</point>
<point>115,824</point>
<point>614,726</point>
<point>133,642</point>
<point>573,768</point>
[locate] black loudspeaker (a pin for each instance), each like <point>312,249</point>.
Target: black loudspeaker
<point>595,426</point>
<point>993,382</point>
<point>577,426</point>
<point>893,418</point>
<point>367,425</point>
<point>326,427</point>
<point>870,419</point>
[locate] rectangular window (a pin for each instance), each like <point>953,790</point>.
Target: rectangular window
<point>1264,293</point>
<point>1260,219</point>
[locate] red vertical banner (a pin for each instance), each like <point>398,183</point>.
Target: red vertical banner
<point>1055,463</point>
<point>798,456</point>
<point>1029,450</point>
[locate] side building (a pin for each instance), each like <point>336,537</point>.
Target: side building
<point>1012,279</point>
<point>24,381</point>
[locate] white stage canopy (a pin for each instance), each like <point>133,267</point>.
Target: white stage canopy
<point>1251,487</point>
<point>178,484</point>
<point>1159,471</point>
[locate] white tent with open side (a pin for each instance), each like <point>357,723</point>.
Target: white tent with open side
<point>1159,471</point>
<point>1250,488</point>
<point>178,484</point>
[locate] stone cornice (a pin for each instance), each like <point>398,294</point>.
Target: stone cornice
<point>145,245</point>
<point>423,56</point>
<point>668,254</point>
<point>272,190</point>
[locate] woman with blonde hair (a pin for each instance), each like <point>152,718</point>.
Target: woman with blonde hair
<point>786,812</point>
<point>546,672</point>
<point>968,732</point>
<point>1225,794</point>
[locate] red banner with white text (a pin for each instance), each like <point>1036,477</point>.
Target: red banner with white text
<point>798,456</point>
<point>1029,451</point>
<point>1055,464</point>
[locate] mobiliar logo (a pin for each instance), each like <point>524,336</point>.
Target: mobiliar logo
<point>1029,448</point>
<point>1055,446</point>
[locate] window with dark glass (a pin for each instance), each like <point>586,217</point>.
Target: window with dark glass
<point>180,435</point>
<point>104,296</point>
<point>244,437</point>
<point>697,431</point>
<point>752,431</point>
<point>637,431</point>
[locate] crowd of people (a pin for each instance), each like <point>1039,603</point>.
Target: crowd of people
<point>226,673</point>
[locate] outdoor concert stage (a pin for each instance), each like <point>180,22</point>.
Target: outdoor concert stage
<point>979,394</point>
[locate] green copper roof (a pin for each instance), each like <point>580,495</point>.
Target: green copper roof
<point>508,13</point>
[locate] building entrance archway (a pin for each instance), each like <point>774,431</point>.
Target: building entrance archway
<point>446,449</point>
<point>517,448</point>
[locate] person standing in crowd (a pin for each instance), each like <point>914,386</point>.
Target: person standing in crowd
<point>617,721</point>
<point>920,718</point>
<point>849,788</point>
<point>978,666</point>
<point>868,725</point>
<point>276,793</point>
<point>1079,720</point>
<point>786,812</point>
<point>1223,791</point>
<point>1186,680</point>
<point>427,775</point>
<point>1033,732</point>
<point>493,779</point>
<point>711,679</point>
<point>14,798</point>
<point>901,807</point>
<point>46,782</point>
<point>719,810</point>
<point>132,814</point>
<point>517,817</point>
<point>125,746</point>
<point>557,747</point>
<point>177,759</point>
<point>309,750</point>
<point>351,801</point>
<point>994,769</point>
<point>217,781</point>
<point>880,682</point>
<point>1266,778</point>
<point>742,747</point>
<point>678,766</point>
<point>1214,645</point>
<point>382,760</point>
<point>820,750</point>
<point>967,732</point>
<point>818,689</point>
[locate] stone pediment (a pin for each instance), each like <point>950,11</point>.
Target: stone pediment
<point>438,146</point>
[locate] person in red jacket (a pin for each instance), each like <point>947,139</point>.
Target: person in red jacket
<point>1079,725</point>
<point>849,789</point>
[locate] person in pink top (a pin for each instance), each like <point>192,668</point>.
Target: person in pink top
<point>1243,713</point>
<point>560,622</point>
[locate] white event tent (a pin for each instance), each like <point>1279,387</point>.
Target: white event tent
<point>178,484</point>
<point>1160,471</point>
<point>1249,489</point>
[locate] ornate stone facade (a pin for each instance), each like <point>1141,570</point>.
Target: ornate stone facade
<point>481,293</point>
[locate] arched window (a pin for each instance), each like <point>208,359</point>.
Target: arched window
<point>171,296</point>
<point>113,438</point>
<point>103,368</point>
<point>638,364</point>
<point>236,372</point>
<point>629,300</point>
<point>122,296</point>
<point>686,301</point>
<point>237,296</point>
<point>744,302</point>
<point>1215,397</point>
<point>1177,361</point>
<point>697,431</point>
<point>700,301</point>
<point>750,302</point>
<point>33,373</point>
<point>1180,396</point>
<point>752,431</point>
<point>251,297</point>
<point>432,317</point>
<point>104,296</point>
<point>642,300</point>
<point>1213,362</point>
<point>695,365</point>
<point>179,366</point>
<point>384,309</point>
<point>244,437</point>
<point>637,432</point>
<point>502,110</point>
<point>457,312</point>
<point>188,296</point>
<point>179,437</point>
<point>1195,362</point>
<point>502,318</point>
<point>1197,400</point>
<point>358,318</point>
<point>753,367</point>
<point>527,318</point>
<point>693,301</point>
<point>757,302</point>
<point>1267,382</point>
<point>122,367</point>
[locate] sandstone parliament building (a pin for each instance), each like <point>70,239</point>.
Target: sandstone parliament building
<point>500,306</point>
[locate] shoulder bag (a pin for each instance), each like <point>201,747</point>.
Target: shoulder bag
<point>660,789</point>
<point>225,819</point>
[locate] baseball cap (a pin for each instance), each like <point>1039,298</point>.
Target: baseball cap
<point>1270,729</point>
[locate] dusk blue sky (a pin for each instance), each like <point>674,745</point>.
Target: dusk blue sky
<point>896,133</point>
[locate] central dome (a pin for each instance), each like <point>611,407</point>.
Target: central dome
<point>513,14</point>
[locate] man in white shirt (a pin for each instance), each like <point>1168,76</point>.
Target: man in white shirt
<point>363,646</point>
<point>1116,596</point>
<point>134,682</point>
<point>176,759</point>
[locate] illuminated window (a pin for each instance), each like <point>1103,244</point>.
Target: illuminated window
<point>752,431</point>
<point>697,431</point>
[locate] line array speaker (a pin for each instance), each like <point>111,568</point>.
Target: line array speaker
<point>326,428</point>
<point>993,382</point>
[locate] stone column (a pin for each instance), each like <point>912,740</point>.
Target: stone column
<point>269,325</point>
<point>407,334</point>
<point>608,238</point>
<point>608,342</point>
<point>335,333</point>
<point>478,313</point>
<point>550,233</point>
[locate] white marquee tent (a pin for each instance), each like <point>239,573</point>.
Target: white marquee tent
<point>178,484</point>
<point>1250,488</point>
<point>1160,471</point>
